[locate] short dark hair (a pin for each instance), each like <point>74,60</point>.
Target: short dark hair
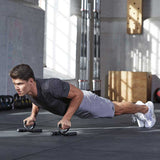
<point>22,71</point>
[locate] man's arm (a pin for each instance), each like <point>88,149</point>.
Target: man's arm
<point>35,110</point>
<point>32,118</point>
<point>76,96</point>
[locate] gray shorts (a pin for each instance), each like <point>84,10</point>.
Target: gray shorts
<point>94,106</point>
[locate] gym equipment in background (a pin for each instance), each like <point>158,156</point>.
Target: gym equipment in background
<point>21,102</point>
<point>96,82</point>
<point>90,69</point>
<point>157,95</point>
<point>6,102</point>
<point>84,76</point>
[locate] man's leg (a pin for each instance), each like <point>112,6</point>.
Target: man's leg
<point>143,112</point>
<point>129,108</point>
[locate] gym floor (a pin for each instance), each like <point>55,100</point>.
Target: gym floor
<point>98,139</point>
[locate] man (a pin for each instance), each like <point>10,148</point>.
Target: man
<point>64,99</point>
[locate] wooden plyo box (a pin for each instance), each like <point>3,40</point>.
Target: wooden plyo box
<point>129,86</point>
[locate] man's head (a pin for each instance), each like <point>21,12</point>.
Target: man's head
<point>23,79</point>
<point>23,72</point>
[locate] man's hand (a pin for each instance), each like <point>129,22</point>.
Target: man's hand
<point>30,120</point>
<point>65,124</point>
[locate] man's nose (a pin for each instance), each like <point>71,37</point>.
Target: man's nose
<point>16,87</point>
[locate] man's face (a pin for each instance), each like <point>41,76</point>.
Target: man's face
<point>22,87</point>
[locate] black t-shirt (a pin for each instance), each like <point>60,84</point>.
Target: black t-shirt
<point>51,95</point>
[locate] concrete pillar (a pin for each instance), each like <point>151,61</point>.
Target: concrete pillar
<point>21,40</point>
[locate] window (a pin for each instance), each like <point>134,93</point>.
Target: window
<point>60,40</point>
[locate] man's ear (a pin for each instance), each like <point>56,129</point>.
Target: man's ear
<point>30,80</point>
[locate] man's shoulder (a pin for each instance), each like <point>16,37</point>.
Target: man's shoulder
<point>49,83</point>
<point>42,81</point>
